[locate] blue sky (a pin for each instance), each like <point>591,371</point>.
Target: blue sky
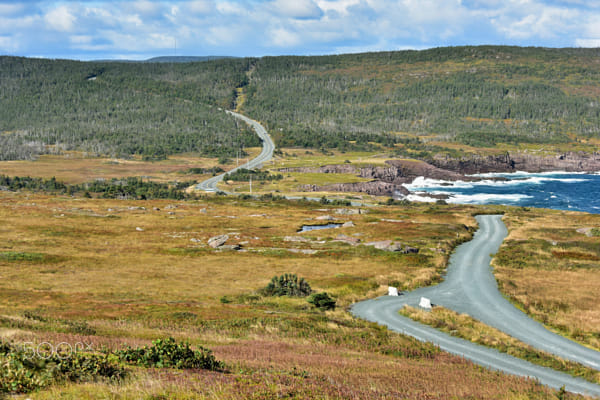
<point>97,29</point>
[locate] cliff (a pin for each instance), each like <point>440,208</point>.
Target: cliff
<point>511,162</point>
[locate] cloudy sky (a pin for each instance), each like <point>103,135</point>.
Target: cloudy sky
<point>99,29</point>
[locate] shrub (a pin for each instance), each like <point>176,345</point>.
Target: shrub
<point>287,285</point>
<point>167,353</point>
<point>22,372</point>
<point>322,301</point>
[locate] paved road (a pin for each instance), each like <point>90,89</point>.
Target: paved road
<point>470,288</point>
<point>210,185</point>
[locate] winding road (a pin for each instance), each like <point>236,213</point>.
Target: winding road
<point>210,185</point>
<point>471,288</point>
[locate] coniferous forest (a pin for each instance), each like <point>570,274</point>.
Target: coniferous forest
<point>478,96</point>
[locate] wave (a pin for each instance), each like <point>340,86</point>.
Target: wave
<point>422,183</point>
<point>485,198</point>
<point>420,198</point>
<point>518,174</point>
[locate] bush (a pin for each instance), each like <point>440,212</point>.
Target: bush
<point>21,372</point>
<point>322,301</point>
<point>287,285</point>
<point>167,353</point>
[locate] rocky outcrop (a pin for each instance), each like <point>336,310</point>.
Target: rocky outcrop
<point>521,161</point>
<point>395,171</point>
<point>375,188</point>
<point>387,180</point>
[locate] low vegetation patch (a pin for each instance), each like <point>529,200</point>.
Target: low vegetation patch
<point>244,174</point>
<point>167,353</point>
<point>287,285</point>
<point>24,369</point>
<point>322,301</point>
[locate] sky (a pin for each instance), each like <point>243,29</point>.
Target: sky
<point>100,29</point>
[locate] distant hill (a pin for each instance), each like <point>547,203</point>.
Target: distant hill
<point>110,108</point>
<point>184,59</point>
<point>167,59</point>
<point>400,101</point>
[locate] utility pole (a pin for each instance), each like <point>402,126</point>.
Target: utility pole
<point>250,183</point>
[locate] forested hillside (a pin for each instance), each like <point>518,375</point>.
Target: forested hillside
<point>474,95</point>
<point>150,109</point>
<point>478,96</point>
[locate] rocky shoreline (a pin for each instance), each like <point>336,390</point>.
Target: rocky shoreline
<point>388,180</point>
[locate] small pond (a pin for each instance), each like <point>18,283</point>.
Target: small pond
<point>306,228</point>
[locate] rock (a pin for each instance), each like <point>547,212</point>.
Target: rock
<point>381,245</point>
<point>348,224</point>
<point>350,211</point>
<point>388,245</point>
<point>325,218</point>
<point>347,239</point>
<point>520,161</point>
<point>392,291</point>
<point>585,231</point>
<point>410,250</point>
<point>230,247</point>
<point>395,247</point>
<point>217,241</point>
<point>375,188</point>
<point>137,228</point>
<point>295,239</point>
<point>303,251</point>
<point>171,207</point>
<point>203,210</point>
<point>156,209</point>
<point>194,240</point>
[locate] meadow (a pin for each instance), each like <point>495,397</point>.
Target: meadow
<point>112,273</point>
<point>115,273</point>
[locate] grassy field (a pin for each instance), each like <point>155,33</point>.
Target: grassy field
<point>111,273</point>
<point>465,327</point>
<point>548,266</point>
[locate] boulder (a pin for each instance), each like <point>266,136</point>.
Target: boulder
<point>348,224</point>
<point>325,218</point>
<point>410,250</point>
<point>230,247</point>
<point>218,241</point>
<point>347,239</point>
<point>392,291</point>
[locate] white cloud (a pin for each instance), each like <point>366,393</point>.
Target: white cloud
<point>281,37</point>
<point>146,7</point>
<point>258,27</point>
<point>61,19</point>
<point>11,9</point>
<point>200,6</point>
<point>587,42</point>
<point>8,44</point>
<point>301,9</point>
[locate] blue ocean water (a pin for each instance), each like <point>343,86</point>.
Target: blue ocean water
<point>557,190</point>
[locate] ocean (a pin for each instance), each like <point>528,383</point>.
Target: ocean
<point>557,190</point>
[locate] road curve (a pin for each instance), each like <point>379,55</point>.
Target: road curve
<point>210,185</point>
<point>471,288</point>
